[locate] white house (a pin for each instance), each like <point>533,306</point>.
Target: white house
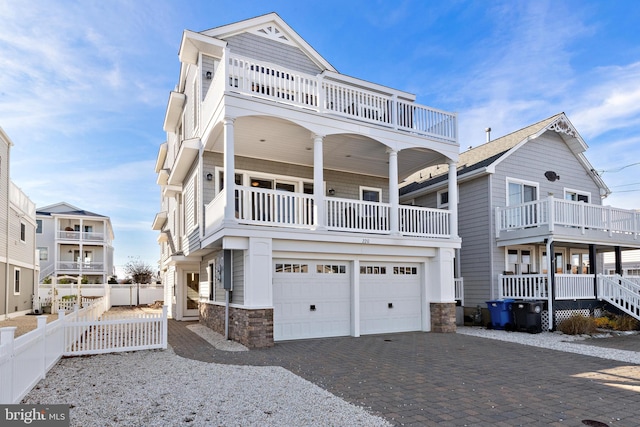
<point>279,216</point>
<point>525,195</point>
<point>74,243</point>
<point>18,257</point>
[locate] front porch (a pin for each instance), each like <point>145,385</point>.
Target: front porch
<point>622,292</point>
<point>258,206</point>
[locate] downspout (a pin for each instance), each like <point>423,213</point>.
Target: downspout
<point>550,279</point>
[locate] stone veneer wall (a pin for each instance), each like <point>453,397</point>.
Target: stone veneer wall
<point>251,328</point>
<point>443,317</point>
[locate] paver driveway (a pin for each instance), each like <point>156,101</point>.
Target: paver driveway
<point>449,379</point>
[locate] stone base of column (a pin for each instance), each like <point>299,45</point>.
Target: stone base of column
<point>443,317</point>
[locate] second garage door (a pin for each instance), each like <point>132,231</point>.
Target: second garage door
<point>390,298</point>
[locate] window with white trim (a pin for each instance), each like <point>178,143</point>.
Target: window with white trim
<point>519,261</point>
<point>16,281</point>
<point>23,232</point>
<point>292,268</point>
<point>44,253</point>
<point>373,269</point>
<point>519,191</point>
<point>370,194</point>
<point>577,196</point>
<point>443,199</point>
<point>331,269</point>
<point>38,226</point>
<point>405,270</point>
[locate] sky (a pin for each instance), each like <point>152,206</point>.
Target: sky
<point>84,84</point>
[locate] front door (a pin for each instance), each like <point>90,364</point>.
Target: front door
<point>192,294</point>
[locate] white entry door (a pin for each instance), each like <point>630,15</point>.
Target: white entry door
<point>310,299</point>
<point>390,297</point>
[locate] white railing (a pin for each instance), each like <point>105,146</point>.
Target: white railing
<point>269,207</point>
<point>21,200</point>
<point>77,266</point>
<point>524,286</point>
<point>557,212</point>
<point>575,286</point>
<point>424,222</point>
<point>459,291</point>
<point>624,295</point>
<point>357,215</point>
<point>329,93</point>
<point>81,235</point>
<point>25,360</point>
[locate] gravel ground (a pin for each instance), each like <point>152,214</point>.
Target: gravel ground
<point>159,388</point>
<point>556,341</point>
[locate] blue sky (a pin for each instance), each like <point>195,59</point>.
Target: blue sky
<point>84,84</point>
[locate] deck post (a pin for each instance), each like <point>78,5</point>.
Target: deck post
<point>318,179</point>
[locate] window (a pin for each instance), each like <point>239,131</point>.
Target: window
<point>331,269</point>
<point>580,262</point>
<point>576,196</point>
<point>368,194</point>
<point>16,281</point>
<point>519,261</point>
<point>292,268</point>
<point>212,289</point>
<point>373,269</point>
<point>405,270</point>
<point>23,232</point>
<point>44,253</point>
<point>443,198</point>
<point>38,226</point>
<point>519,192</point>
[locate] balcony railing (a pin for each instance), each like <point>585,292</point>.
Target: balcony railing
<point>73,266</point>
<point>552,212</point>
<point>258,206</point>
<point>87,236</point>
<point>328,93</point>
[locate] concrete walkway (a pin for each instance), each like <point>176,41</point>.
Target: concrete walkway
<point>425,379</point>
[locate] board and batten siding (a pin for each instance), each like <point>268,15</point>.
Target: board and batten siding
<point>261,48</point>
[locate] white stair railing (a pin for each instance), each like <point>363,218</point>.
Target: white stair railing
<point>621,293</point>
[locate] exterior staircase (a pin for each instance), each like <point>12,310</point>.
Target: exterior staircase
<point>621,293</point>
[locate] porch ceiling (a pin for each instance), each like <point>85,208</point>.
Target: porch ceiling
<point>283,141</point>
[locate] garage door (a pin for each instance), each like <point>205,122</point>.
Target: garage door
<point>310,299</point>
<point>390,298</point>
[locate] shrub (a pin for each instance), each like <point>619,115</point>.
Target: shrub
<point>577,324</point>
<point>626,323</point>
<point>604,322</point>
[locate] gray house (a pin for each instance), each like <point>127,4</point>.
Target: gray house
<point>18,257</point>
<point>526,195</point>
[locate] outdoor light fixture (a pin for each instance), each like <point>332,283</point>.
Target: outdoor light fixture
<point>332,192</point>
<point>208,74</point>
<point>209,176</point>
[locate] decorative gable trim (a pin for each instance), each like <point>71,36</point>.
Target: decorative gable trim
<point>273,32</point>
<point>563,126</point>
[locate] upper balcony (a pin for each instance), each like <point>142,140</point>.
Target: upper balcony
<point>86,237</point>
<point>326,93</point>
<point>568,220</point>
<point>264,207</point>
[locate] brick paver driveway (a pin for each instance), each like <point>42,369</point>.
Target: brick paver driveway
<point>449,379</point>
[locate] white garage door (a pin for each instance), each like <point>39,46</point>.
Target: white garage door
<point>310,299</point>
<point>390,298</point>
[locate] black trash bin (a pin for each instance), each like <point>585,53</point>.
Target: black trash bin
<point>527,316</point>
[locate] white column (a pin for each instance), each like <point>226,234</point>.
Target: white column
<point>318,182</point>
<point>453,198</point>
<point>394,196</point>
<point>229,170</point>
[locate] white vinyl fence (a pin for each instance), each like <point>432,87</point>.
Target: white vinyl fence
<point>129,294</point>
<point>25,360</point>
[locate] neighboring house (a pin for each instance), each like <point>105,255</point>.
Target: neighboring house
<point>18,258</point>
<point>74,244</point>
<point>521,197</point>
<point>279,183</point>
<point>630,263</point>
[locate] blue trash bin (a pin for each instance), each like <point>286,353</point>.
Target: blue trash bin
<point>500,311</point>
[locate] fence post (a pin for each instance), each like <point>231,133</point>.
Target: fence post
<point>6,340</point>
<point>164,327</point>
<point>42,327</point>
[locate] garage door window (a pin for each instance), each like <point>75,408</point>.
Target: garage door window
<point>373,269</point>
<point>405,270</point>
<point>331,269</point>
<point>292,268</point>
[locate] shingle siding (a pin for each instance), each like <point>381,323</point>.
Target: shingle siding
<point>260,48</point>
